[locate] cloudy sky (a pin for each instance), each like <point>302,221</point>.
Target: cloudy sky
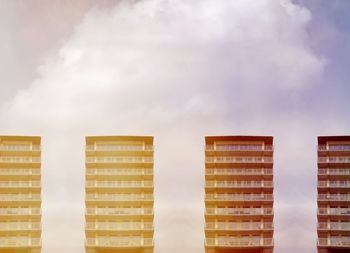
<point>177,70</point>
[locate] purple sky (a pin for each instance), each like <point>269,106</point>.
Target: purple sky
<point>178,70</point>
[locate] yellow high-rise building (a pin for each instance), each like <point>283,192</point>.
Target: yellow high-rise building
<point>20,194</point>
<point>119,194</point>
<point>239,194</point>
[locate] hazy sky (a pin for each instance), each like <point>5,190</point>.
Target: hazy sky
<point>177,70</point>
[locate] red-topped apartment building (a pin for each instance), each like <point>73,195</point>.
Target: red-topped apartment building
<point>333,189</point>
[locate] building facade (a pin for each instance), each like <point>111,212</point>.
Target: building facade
<point>333,198</point>
<point>20,194</point>
<point>239,194</point>
<point>119,194</point>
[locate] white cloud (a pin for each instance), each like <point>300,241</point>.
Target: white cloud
<point>178,70</point>
<point>30,32</point>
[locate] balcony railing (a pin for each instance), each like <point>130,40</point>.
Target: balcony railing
<point>119,184</point>
<point>333,211</point>
<point>245,148</point>
<point>19,211</point>
<point>239,226</point>
<point>239,197</point>
<point>119,147</point>
<point>19,159</point>
<point>19,172</point>
<point>117,159</point>
<point>239,184</point>
<point>238,242</point>
<point>335,172</point>
<point>8,242</point>
<point>238,172</point>
<point>335,159</point>
<point>119,242</point>
<point>335,242</point>
<point>121,226</point>
<point>239,211</point>
<point>20,148</point>
<point>334,226</point>
<point>119,197</point>
<point>333,197</point>
<point>119,172</point>
<point>119,211</point>
<point>334,184</point>
<point>20,197</point>
<point>230,159</point>
<point>14,226</point>
<point>19,184</point>
<point>334,148</point>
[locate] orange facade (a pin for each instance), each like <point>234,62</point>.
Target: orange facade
<point>238,194</point>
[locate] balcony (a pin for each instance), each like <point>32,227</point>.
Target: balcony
<point>119,172</point>
<point>333,148</point>
<point>334,172</point>
<point>19,211</point>
<point>230,159</point>
<point>238,172</point>
<point>20,184</point>
<point>334,211</point>
<point>333,184</point>
<point>119,242</point>
<point>119,147</point>
<point>238,184</point>
<point>341,242</point>
<point>238,226</point>
<point>119,197</point>
<point>19,172</point>
<point>121,159</point>
<point>341,226</point>
<point>119,226</point>
<point>119,211</point>
<point>243,148</point>
<point>239,242</point>
<point>19,197</point>
<point>333,197</point>
<point>334,159</point>
<point>119,184</point>
<point>19,226</point>
<point>17,148</point>
<point>19,159</point>
<point>17,242</point>
<point>239,211</point>
<point>239,197</point>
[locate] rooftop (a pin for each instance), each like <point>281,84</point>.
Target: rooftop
<point>92,139</point>
<point>266,139</point>
<point>322,140</point>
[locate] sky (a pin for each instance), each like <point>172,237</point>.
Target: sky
<point>177,70</point>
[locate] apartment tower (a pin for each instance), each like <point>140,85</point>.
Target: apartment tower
<point>333,189</point>
<point>20,194</point>
<point>119,194</point>
<point>239,194</point>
